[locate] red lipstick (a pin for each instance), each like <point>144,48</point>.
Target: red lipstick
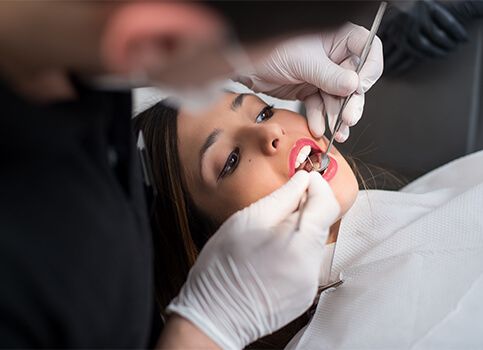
<point>315,156</point>
<point>331,170</point>
<point>295,151</point>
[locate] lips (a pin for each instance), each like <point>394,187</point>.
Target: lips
<point>294,152</point>
<point>331,170</point>
<point>300,151</point>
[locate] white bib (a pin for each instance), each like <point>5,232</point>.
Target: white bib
<point>412,262</point>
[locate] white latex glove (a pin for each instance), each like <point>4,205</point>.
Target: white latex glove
<point>319,69</point>
<point>258,272</point>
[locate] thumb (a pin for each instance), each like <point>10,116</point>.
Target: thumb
<point>321,209</point>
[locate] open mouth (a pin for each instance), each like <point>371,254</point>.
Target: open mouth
<point>307,155</point>
<point>308,159</point>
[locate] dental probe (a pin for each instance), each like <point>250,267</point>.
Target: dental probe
<point>334,284</point>
<point>325,160</point>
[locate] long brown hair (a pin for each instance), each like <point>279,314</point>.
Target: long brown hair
<point>179,228</point>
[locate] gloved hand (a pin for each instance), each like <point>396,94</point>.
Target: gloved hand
<point>428,29</point>
<point>465,10</point>
<point>319,69</point>
<point>258,272</point>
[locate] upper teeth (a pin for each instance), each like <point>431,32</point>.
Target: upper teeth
<point>302,156</point>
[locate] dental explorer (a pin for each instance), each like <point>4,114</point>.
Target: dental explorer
<point>325,160</point>
<point>324,163</point>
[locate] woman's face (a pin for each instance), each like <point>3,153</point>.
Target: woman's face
<point>240,150</point>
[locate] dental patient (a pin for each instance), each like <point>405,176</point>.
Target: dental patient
<point>209,165</point>
<point>411,260</point>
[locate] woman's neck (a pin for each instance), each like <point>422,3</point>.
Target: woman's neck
<point>333,232</point>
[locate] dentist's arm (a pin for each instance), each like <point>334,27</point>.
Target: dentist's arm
<point>258,272</point>
<point>320,70</point>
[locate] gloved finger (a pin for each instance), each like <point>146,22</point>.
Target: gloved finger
<point>314,106</point>
<point>335,79</point>
<point>372,69</point>
<point>409,46</point>
<point>447,21</point>
<point>352,112</point>
<point>466,10</point>
<point>421,43</point>
<point>321,209</point>
<point>289,225</point>
<point>343,134</point>
<point>274,208</point>
<point>439,37</point>
<point>332,107</point>
<point>439,34</point>
<point>350,62</point>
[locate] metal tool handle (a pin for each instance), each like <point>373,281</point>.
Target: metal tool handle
<point>330,285</point>
<point>365,53</point>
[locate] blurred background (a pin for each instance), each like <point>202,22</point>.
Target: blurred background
<point>426,109</point>
<point>423,115</point>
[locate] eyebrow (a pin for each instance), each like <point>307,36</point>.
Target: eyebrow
<point>210,140</point>
<point>237,102</point>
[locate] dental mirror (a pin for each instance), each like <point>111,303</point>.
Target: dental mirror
<point>324,163</point>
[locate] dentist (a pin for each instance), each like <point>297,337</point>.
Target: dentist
<point>75,248</point>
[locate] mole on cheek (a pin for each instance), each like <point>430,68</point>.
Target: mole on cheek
<point>249,160</point>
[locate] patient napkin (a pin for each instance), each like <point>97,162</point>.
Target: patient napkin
<point>413,267</point>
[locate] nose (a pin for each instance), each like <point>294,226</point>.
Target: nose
<point>269,137</point>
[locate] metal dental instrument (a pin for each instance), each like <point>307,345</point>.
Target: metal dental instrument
<point>330,285</point>
<point>339,281</point>
<point>325,159</point>
<point>324,162</point>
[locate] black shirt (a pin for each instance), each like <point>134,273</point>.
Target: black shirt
<point>75,248</point>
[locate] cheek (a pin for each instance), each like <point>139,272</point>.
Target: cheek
<point>255,181</point>
<point>293,122</point>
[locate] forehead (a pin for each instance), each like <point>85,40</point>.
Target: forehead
<point>191,124</point>
<point>194,128</point>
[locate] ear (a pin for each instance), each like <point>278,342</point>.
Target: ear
<point>138,36</point>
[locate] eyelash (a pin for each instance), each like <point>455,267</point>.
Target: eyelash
<point>231,163</point>
<point>234,157</point>
<point>267,112</point>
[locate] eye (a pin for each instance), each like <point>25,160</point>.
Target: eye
<point>265,114</point>
<point>230,164</point>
